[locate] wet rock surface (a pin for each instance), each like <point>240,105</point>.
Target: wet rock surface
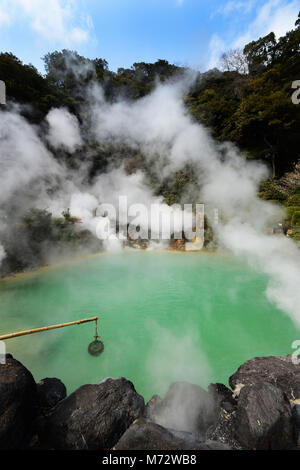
<point>18,401</point>
<point>92,417</point>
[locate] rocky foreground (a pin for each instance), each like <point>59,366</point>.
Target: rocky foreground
<point>260,411</point>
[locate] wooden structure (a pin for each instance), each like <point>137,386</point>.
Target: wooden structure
<point>52,327</point>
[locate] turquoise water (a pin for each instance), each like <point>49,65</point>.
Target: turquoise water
<point>163,317</point>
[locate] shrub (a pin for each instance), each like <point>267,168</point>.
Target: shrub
<point>295,235</point>
<point>270,191</point>
<point>296,218</point>
<point>290,211</point>
<point>296,190</point>
<point>293,200</point>
<point>37,223</point>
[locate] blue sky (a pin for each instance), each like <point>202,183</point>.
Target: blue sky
<point>185,32</point>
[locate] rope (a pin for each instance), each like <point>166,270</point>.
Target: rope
<point>96,329</point>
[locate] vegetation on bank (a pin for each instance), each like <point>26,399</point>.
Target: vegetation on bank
<point>30,241</point>
<point>286,191</point>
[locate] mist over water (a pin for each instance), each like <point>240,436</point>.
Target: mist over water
<point>164,317</point>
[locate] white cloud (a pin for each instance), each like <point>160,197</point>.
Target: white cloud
<point>234,6</point>
<point>216,47</point>
<point>277,16</point>
<point>53,20</point>
<point>4,18</point>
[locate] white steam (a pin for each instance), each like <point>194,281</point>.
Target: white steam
<point>24,158</point>
<point>276,256</point>
<point>64,130</point>
<point>177,358</point>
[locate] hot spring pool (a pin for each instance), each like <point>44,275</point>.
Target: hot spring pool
<point>163,317</point>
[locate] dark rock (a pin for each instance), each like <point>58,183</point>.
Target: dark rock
<point>151,405</point>
<point>263,418</point>
<point>279,371</point>
<point>146,435</point>
<point>296,424</point>
<point>224,430</point>
<point>185,407</point>
<point>18,402</point>
<point>50,392</point>
<point>92,417</point>
<point>223,396</point>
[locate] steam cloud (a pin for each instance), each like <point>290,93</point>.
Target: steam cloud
<point>24,157</point>
<point>63,130</point>
<point>176,358</point>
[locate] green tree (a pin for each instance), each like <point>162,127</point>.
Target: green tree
<point>37,223</point>
<point>24,84</point>
<point>261,53</point>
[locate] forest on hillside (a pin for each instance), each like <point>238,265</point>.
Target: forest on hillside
<point>246,101</point>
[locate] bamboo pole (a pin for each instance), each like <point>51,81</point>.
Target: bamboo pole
<point>46,328</point>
